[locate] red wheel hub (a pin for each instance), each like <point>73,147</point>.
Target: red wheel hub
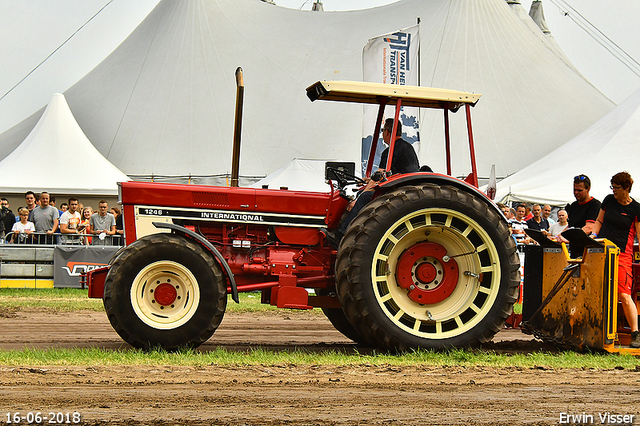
<point>422,270</point>
<point>165,294</point>
<point>426,273</point>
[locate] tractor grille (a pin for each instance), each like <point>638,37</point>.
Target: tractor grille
<point>210,199</point>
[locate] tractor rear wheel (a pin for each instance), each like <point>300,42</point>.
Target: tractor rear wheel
<point>427,266</point>
<point>165,291</point>
<point>341,323</point>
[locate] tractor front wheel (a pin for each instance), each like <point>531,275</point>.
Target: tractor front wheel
<point>165,291</point>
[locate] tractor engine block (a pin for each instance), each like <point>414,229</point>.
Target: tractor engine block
<point>261,258</point>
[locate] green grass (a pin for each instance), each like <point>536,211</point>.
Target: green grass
<point>73,299</point>
<point>52,299</point>
<point>258,356</point>
<point>250,302</point>
<point>76,299</point>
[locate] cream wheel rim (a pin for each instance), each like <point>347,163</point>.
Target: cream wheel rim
<point>477,281</point>
<point>165,295</point>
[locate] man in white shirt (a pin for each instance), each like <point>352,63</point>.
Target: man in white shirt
<point>556,229</point>
<point>69,223</point>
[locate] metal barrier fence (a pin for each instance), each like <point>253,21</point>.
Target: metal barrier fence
<point>42,238</point>
<point>29,260</point>
<point>34,262</point>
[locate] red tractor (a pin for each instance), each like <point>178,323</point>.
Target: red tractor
<point>428,263</point>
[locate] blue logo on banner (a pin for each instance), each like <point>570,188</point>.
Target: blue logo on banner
<point>400,42</point>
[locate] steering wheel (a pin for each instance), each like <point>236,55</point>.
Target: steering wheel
<point>343,177</point>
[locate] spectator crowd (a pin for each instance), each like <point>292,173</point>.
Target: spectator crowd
<point>41,222</point>
<point>582,213</point>
<point>617,219</point>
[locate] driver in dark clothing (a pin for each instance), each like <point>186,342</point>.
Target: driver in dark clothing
<point>404,160</point>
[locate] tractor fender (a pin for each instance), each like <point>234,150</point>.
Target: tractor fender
<point>182,230</point>
<point>418,178</point>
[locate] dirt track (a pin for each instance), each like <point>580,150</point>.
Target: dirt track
<point>286,394</point>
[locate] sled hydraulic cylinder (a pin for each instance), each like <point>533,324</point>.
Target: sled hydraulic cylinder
<point>237,129</point>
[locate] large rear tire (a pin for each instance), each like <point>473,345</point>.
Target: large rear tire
<point>427,267</point>
<point>165,291</point>
<point>341,323</point>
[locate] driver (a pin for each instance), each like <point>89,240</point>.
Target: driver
<point>404,160</point>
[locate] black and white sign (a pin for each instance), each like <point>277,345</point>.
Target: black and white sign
<point>69,262</point>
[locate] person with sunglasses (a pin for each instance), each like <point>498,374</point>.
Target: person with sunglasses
<point>619,221</point>
<point>584,211</point>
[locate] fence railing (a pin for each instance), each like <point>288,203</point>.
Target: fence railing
<point>42,238</point>
<point>39,259</point>
<point>26,261</point>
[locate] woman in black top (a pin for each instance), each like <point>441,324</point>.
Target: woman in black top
<point>619,221</point>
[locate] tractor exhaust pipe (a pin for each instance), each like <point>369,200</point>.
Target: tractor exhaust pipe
<point>237,128</point>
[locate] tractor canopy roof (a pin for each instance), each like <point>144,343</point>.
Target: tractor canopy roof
<point>375,93</point>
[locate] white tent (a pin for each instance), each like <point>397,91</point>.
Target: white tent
<point>609,146</point>
<point>163,102</point>
<point>297,175</point>
<point>58,157</point>
<point>537,15</point>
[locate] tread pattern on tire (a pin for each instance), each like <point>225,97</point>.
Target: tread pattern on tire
<point>354,278</point>
<point>341,323</point>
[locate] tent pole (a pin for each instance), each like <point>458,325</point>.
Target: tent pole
<point>418,20</point>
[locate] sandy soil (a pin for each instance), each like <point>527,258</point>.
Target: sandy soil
<point>287,394</point>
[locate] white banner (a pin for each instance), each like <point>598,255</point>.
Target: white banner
<point>391,59</point>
